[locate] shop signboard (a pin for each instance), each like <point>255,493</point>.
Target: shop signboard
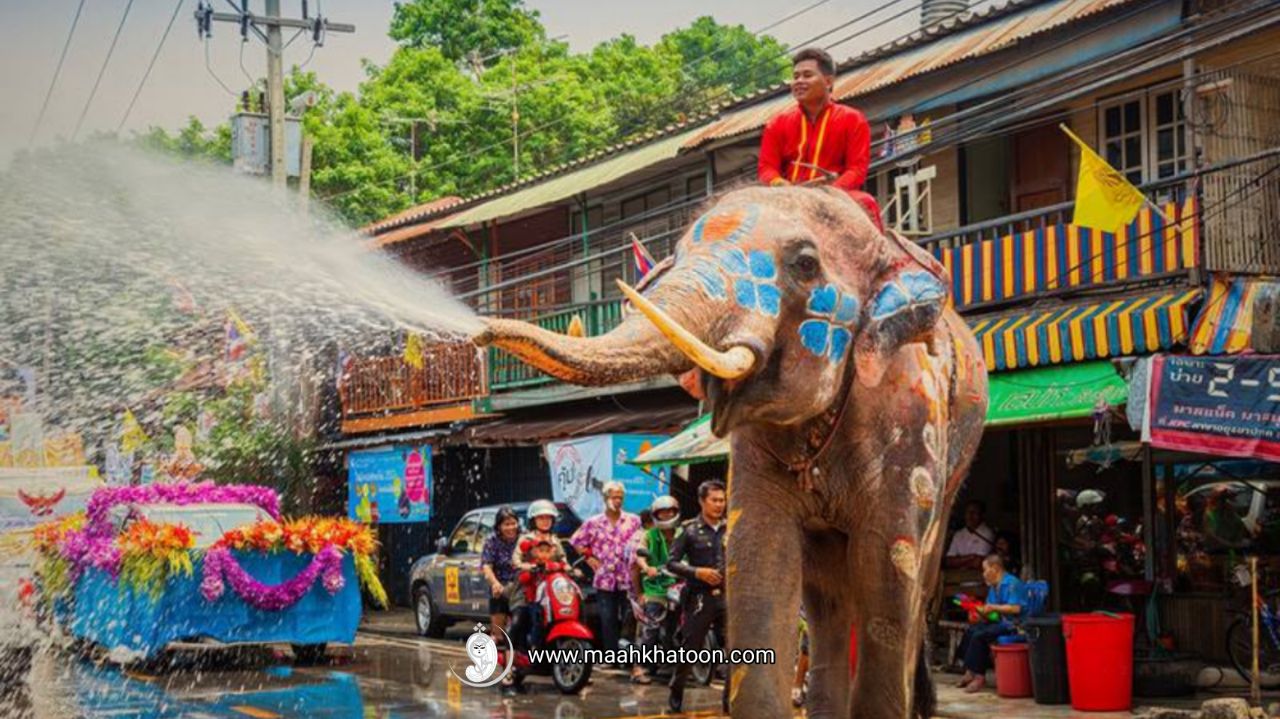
<point>581,466</point>
<point>389,485</point>
<point>1228,406</point>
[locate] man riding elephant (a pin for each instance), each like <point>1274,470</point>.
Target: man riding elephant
<point>854,395</point>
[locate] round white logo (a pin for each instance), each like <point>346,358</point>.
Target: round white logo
<point>482,651</point>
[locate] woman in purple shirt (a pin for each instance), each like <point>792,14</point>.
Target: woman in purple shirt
<point>498,568</point>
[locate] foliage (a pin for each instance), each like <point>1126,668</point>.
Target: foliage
<point>464,29</point>
<point>152,554</point>
<point>193,141</point>
<point>724,59</point>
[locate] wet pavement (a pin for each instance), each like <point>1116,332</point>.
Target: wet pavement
<point>378,677</point>
<point>388,673</point>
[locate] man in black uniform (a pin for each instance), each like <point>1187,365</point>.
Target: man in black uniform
<point>698,557</point>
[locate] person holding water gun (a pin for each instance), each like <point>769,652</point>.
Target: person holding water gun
<point>1005,599</point>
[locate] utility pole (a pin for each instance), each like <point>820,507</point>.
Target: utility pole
<point>275,93</point>
<point>318,26</point>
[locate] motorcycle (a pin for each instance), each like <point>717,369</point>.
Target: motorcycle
<point>559,602</point>
<point>670,624</point>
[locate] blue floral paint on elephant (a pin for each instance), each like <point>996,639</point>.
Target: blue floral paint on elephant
<point>910,288</point>
<point>753,277</point>
<point>830,335</point>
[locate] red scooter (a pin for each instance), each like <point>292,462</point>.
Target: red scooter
<point>559,602</point>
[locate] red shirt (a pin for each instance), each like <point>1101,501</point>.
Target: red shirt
<point>840,141</point>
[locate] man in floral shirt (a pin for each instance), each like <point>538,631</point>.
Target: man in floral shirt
<point>604,540</point>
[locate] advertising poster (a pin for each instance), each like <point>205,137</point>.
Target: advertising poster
<point>390,485</point>
<point>580,467</point>
<point>1228,406</point>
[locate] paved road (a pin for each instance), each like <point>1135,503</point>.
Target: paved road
<point>381,676</point>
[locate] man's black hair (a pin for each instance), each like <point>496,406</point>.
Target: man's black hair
<point>709,486</point>
<point>825,64</point>
<point>981,505</point>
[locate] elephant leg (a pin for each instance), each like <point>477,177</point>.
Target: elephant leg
<point>829,611</point>
<point>889,613</point>
<point>763,568</point>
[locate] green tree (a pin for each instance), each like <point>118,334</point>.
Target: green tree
<point>191,141</point>
<point>719,60</point>
<point>465,30</point>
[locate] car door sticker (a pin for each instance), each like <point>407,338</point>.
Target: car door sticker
<point>451,593</point>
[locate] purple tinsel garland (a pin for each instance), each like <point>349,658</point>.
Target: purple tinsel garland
<point>219,564</point>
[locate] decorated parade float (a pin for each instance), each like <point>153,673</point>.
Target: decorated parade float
<point>146,567</point>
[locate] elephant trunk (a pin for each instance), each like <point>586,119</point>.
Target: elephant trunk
<point>648,343</point>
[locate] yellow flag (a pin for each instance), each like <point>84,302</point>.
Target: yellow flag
<point>132,437</point>
<point>413,347</point>
<point>1105,200</point>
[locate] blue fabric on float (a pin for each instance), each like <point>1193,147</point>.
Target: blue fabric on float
<point>113,616</point>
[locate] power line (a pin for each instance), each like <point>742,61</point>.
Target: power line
<point>176,8</point>
<point>102,71</point>
<point>746,73</point>
<point>57,71</point>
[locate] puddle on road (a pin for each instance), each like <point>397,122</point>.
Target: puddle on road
<point>388,681</point>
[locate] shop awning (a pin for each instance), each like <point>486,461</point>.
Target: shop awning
<point>1085,331</point>
<point>695,444</point>
<point>1225,324</point>
<point>512,431</point>
<point>1033,395</point>
<point>1050,393</point>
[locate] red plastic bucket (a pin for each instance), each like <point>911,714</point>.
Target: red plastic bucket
<point>1099,661</point>
<point>1013,670</point>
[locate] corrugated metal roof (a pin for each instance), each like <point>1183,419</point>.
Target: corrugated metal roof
<point>402,234</point>
<point>1014,22</point>
<point>427,208</point>
<point>571,183</point>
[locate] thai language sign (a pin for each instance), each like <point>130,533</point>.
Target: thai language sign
<point>580,467</point>
<point>391,485</point>
<point>1218,405</point>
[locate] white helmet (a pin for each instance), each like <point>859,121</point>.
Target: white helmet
<point>543,508</point>
<point>663,503</point>
<point>1089,496</point>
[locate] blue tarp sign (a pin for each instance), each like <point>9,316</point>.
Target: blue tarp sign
<point>391,485</point>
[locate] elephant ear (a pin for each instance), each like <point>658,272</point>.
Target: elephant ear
<point>906,300</point>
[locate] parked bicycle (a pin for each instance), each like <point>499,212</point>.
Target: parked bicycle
<point>1240,636</point>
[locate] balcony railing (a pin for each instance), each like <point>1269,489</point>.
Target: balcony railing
<point>450,374</point>
<point>507,372</point>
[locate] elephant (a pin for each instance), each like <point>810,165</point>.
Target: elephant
<point>854,397</point>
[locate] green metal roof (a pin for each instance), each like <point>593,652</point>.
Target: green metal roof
<point>567,185</point>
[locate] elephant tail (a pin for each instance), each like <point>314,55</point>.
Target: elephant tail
<point>926,698</point>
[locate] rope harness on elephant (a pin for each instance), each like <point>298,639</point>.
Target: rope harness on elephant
<point>821,436</point>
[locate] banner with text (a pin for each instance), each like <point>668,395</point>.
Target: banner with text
<point>580,467</point>
<point>1227,406</point>
<point>390,485</point>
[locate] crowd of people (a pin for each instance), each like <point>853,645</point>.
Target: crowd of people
<point>634,560</point>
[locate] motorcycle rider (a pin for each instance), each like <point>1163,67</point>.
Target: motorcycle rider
<point>698,557</point>
<point>542,517</point>
<point>656,541</point>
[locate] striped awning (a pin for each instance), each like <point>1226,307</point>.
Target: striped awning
<point>1084,331</point>
<point>1225,323</point>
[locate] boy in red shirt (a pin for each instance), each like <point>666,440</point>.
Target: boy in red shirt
<point>818,140</point>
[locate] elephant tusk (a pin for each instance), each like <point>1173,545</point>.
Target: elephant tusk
<point>576,328</point>
<point>731,364</point>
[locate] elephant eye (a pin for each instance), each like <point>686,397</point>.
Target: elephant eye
<point>806,266</point>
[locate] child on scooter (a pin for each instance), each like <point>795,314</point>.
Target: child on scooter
<point>541,555</point>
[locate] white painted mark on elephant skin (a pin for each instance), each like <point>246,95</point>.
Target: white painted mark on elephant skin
<point>884,632</point>
<point>903,555</point>
<point>923,488</point>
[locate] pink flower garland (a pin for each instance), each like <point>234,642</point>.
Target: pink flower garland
<point>182,493</point>
<point>94,545</point>
<point>219,563</point>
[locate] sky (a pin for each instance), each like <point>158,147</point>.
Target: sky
<point>32,35</point>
